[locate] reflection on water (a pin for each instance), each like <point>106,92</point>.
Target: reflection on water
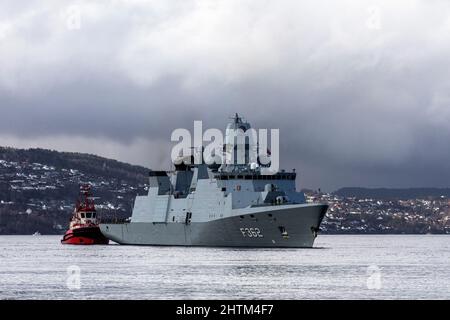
<point>340,267</point>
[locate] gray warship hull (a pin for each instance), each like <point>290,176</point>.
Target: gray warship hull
<point>293,226</point>
<point>237,202</point>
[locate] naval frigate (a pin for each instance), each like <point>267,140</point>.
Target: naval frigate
<point>231,205</point>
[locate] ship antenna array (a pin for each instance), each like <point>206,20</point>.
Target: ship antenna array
<point>236,117</point>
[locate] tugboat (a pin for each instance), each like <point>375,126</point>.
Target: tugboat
<point>84,227</point>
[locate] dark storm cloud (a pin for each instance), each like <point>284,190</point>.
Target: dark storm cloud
<point>359,89</point>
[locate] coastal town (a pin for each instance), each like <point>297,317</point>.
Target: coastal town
<point>37,197</point>
<point>353,215</point>
<point>40,197</point>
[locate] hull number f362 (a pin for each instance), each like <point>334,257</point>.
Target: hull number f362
<point>251,233</point>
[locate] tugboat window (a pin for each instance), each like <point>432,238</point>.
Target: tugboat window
<point>82,215</point>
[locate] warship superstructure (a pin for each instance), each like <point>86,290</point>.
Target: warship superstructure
<point>227,205</point>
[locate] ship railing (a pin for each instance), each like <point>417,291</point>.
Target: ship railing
<point>114,220</point>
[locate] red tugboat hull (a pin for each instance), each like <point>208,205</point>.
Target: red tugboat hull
<point>84,227</point>
<point>84,236</point>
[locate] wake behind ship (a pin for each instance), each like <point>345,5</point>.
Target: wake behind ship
<point>231,205</point>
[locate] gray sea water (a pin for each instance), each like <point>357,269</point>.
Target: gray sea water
<point>339,267</point>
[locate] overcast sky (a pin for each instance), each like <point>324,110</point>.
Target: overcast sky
<point>359,89</point>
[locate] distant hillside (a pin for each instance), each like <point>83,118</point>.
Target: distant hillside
<point>38,188</point>
<point>393,193</point>
<point>87,163</point>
